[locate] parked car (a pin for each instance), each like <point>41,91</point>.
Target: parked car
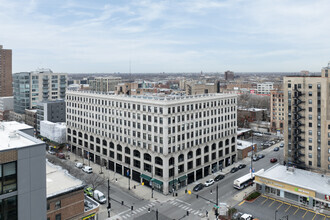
<point>267,133</point>
<point>255,158</point>
<point>60,155</point>
<point>209,182</point>
<point>198,187</point>
<point>276,149</point>
<point>257,134</point>
<point>246,217</point>
<point>89,191</point>
<point>273,160</point>
<point>79,165</point>
<point>272,142</point>
<point>237,215</point>
<point>87,169</point>
<point>260,156</point>
<point>282,145</point>
<point>241,166</point>
<point>51,152</point>
<point>219,177</point>
<point>234,169</point>
<point>99,196</point>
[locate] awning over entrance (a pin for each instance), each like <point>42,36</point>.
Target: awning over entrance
<point>182,178</point>
<point>157,181</point>
<point>143,176</point>
<point>171,182</point>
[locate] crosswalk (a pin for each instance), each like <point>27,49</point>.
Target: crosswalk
<point>186,207</point>
<point>137,211</point>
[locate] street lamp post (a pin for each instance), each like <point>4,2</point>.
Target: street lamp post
<point>109,204</point>
<point>275,213</point>
<point>252,157</point>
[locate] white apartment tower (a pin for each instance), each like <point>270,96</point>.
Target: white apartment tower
<point>165,142</point>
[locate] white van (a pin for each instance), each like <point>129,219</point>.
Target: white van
<point>87,169</point>
<point>99,196</point>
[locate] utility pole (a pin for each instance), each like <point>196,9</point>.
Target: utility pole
<point>173,175</point>
<point>217,201</point>
<point>109,204</point>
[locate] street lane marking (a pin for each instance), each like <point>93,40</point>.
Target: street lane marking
<point>180,206</point>
<point>314,216</point>
<point>288,208</point>
<point>271,204</point>
<point>304,214</point>
<point>183,202</point>
<point>279,206</point>
<point>241,203</point>
<point>296,211</point>
<point>264,201</point>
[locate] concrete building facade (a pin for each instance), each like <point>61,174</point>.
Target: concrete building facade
<point>276,111</point>
<point>53,111</point>
<point>30,88</point>
<point>307,121</point>
<point>201,87</point>
<point>264,88</point>
<point>23,173</point>
<point>6,87</point>
<point>104,84</point>
<point>229,75</point>
<point>165,142</point>
<point>6,105</point>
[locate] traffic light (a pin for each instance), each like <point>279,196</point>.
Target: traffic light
<point>142,183</point>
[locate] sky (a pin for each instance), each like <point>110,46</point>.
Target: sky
<point>145,36</point>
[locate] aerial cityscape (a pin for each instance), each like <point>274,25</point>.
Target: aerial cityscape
<point>164,110</point>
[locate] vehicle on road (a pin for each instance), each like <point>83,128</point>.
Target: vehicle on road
<point>282,145</point>
<point>245,180</point>
<point>219,177</point>
<point>209,182</point>
<point>276,149</point>
<point>51,152</point>
<point>198,187</point>
<point>60,155</point>
<point>273,160</point>
<point>99,196</point>
<point>246,217</point>
<point>234,170</point>
<point>237,215</point>
<point>272,142</point>
<point>255,158</point>
<point>79,165</point>
<point>257,134</point>
<point>241,166</point>
<point>87,169</point>
<point>260,156</point>
<point>89,191</point>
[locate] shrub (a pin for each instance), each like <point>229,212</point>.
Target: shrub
<point>253,196</point>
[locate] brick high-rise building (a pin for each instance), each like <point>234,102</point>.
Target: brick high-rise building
<point>6,88</point>
<point>307,120</point>
<point>276,111</point>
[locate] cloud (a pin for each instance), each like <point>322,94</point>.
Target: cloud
<point>102,36</point>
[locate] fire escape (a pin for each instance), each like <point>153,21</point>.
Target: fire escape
<point>297,131</point>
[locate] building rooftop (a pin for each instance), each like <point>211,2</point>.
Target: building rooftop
<point>12,137</point>
<point>59,181</point>
<point>301,178</point>
<point>241,145</point>
<point>155,98</point>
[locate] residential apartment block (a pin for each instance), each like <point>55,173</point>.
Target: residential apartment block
<point>6,88</point>
<point>307,121</point>
<point>229,76</point>
<point>6,105</point>
<point>276,111</point>
<point>264,88</point>
<point>104,84</point>
<point>201,87</point>
<point>165,142</point>
<point>22,173</point>
<point>30,88</point>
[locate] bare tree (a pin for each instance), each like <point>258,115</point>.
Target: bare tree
<point>95,181</point>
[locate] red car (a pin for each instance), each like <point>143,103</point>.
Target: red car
<point>273,160</point>
<point>60,155</point>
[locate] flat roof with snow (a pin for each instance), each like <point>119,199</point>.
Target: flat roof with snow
<point>241,145</point>
<point>11,136</point>
<point>59,181</point>
<point>301,178</point>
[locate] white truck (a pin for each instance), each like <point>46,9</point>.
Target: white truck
<point>99,196</point>
<point>246,217</point>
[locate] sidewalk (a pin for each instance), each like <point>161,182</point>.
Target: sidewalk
<point>141,192</point>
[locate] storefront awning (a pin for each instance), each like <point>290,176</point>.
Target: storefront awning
<point>143,176</point>
<point>171,182</point>
<point>157,181</point>
<point>182,178</point>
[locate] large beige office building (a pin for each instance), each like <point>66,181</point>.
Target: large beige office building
<point>307,120</point>
<point>165,142</point>
<point>6,88</point>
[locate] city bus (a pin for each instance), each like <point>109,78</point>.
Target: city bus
<point>245,180</point>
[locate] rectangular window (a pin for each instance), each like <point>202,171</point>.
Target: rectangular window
<point>58,204</point>
<point>58,217</point>
<point>8,177</point>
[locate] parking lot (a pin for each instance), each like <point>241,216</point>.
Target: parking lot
<point>261,139</point>
<point>265,208</point>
